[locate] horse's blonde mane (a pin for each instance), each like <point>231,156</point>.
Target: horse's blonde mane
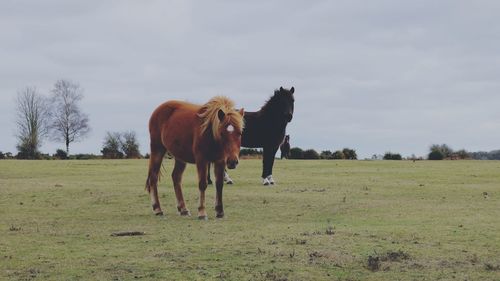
<point>209,114</point>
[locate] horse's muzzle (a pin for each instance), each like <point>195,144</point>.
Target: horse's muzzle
<point>231,164</point>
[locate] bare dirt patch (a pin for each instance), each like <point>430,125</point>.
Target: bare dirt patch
<point>374,263</point>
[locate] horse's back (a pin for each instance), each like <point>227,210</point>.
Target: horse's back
<point>171,109</point>
<point>173,124</point>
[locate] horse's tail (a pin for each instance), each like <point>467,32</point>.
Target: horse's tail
<point>148,183</point>
<point>152,179</point>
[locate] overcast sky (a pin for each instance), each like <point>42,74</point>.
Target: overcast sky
<point>375,76</point>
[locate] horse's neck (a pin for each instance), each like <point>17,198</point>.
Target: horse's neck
<point>272,117</point>
<point>210,146</point>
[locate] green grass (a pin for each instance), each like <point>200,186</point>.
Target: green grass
<point>321,221</point>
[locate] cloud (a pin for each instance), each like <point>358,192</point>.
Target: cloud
<point>375,76</point>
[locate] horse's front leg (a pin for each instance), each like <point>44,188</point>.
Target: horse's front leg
<point>219,184</point>
<point>202,167</point>
<point>267,167</point>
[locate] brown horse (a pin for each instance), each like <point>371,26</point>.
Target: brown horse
<point>194,134</point>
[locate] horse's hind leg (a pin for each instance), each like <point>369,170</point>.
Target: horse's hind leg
<point>177,179</point>
<point>157,153</point>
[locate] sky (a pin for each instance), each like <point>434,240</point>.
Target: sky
<point>375,76</point>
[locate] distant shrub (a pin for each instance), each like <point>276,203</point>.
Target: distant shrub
<point>462,154</point>
<point>436,155</point>
<point>6,155</point>
<point>130,145</point>
<point>120,145</point>
<point>310,154</point>
<point>338,155</point>
<point>250,152</point>
<point>85,156</point>
<point>60,154</point>
<point>25,152</point>
<point>349,154</point>
<point>326,154</point>
<point>392,156</point>
<point>440,149</point>
<point>112,146</point>
<point>45,156</point>
<point>483,155</point>
<point>296,153</point>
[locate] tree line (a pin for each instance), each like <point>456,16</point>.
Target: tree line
<point>309,154</point>
<point>58,117</point>
<point>444,151</point>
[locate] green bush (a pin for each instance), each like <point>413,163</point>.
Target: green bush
<point>310,154</point>
<point>61,154</point>
<point>392,156</point>
<point>250,152</point>
<point>436,155</point>
<point>326,154</point>
<point>349,154</point>
<point>338,155</point>
<point>296,153</point>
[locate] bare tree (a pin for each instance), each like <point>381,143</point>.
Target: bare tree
<point>130,145</point>
<point>111,147</point>
<point>69,123</point>
<point>32,117</point>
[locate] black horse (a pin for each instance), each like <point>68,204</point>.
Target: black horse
<point>285,148</point>
<point>266,128</point>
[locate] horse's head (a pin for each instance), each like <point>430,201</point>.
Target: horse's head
<point>230,129</point>
<point>283,102</point>
<point>226,125</point>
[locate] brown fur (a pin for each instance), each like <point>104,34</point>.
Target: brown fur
<point>193,134</point>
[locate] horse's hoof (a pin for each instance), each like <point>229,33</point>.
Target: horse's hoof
<point>209,182</point>
<point>229,182</point>
<point>220,215</point>
<point>265,181</point>
<point>185,213</point>
<point>160,213</point>
<point>203,218</point>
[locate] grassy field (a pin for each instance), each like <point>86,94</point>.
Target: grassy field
<point>324,220</point>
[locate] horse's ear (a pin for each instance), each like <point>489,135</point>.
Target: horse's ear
<point>292,90</point>
<point>221,114</point>
<point>281,89</point>
<point>242,112</point>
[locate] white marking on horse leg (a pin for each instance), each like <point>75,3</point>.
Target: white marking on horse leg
<point>270,179</point>
<point>265,181</point>
<point>227,179</point>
